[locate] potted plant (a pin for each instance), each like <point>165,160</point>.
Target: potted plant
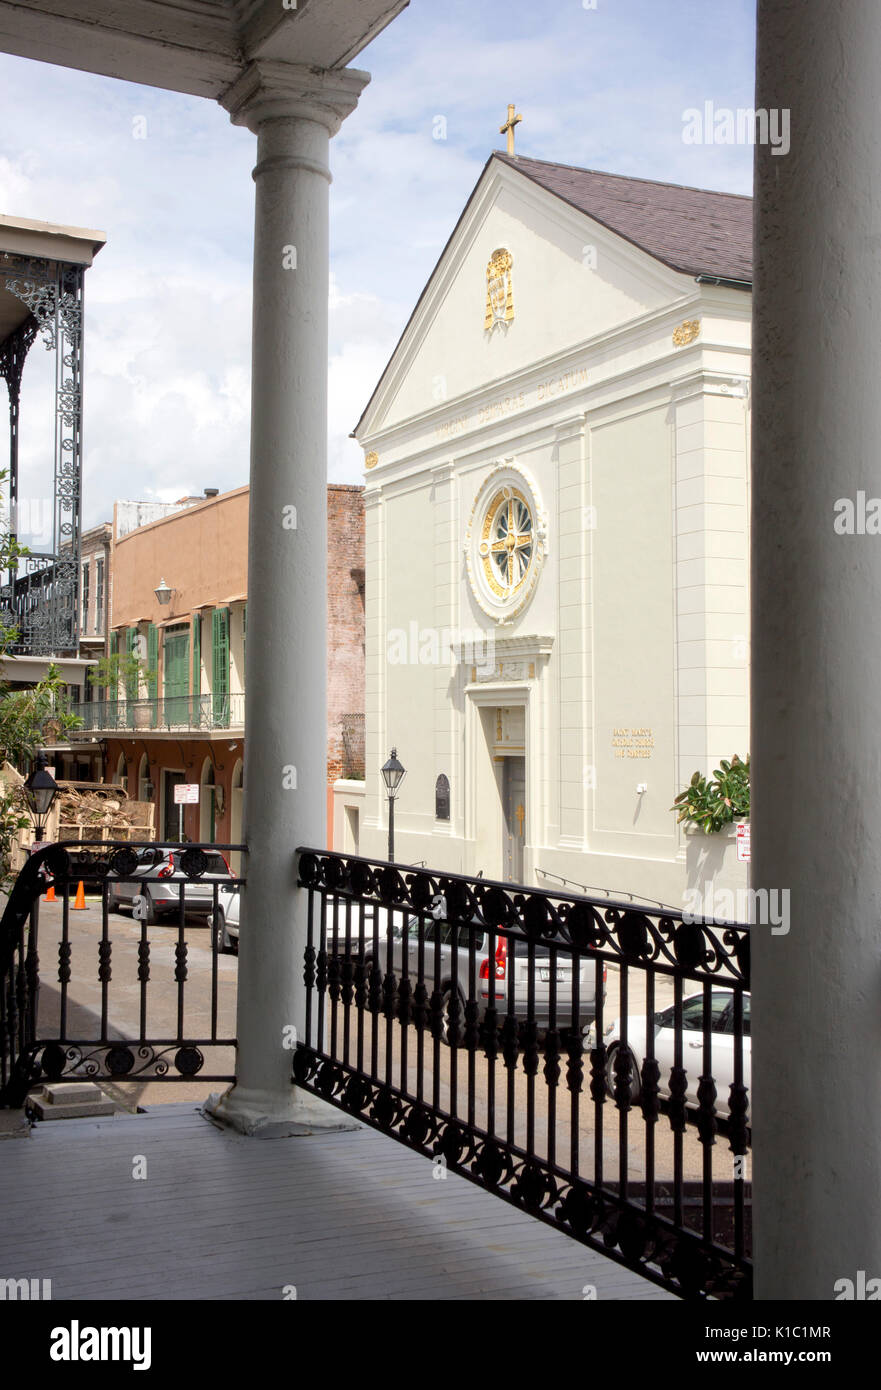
<point>709,805</point>
<point>710,808</point>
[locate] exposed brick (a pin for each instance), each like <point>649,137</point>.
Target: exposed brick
<point>345,617</point>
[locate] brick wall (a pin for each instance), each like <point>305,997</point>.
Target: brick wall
<point>345,623</point>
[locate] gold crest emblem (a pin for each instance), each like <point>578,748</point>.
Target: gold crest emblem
<point>371,459</point>
<point>499,289</point>
<point>686,332</point>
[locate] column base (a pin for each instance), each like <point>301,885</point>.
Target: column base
<point>266,1115</point>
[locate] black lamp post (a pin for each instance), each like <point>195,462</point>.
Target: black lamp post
<point>393,774</point>
<point>40,791</point>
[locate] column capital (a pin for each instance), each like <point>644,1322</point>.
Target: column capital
<point>273,91</point>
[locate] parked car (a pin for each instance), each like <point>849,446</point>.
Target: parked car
<point>438,935</point>
<point>494,976</point>
<point>163,896</point>
<point>225,921</point>
<point>663,1026</point>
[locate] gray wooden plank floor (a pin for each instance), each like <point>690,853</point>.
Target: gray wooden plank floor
<point>341,1215</point>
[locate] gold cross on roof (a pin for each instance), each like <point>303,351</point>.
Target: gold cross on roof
<point>508,127</point>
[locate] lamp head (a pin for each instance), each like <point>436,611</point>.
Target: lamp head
<point>393,773</point>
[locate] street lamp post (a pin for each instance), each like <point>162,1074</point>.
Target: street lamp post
<point>393,774</point>
<point>40,791</point>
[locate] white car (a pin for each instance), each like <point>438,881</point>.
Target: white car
<point>722,1046</point>
<point>225,923</point>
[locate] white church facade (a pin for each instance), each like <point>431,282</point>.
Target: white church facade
<point>557,494</point>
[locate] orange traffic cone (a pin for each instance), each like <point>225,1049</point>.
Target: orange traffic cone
<point>50,895</point>
<point>80,901</point>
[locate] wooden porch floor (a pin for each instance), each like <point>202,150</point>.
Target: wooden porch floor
<point>341,1215</point>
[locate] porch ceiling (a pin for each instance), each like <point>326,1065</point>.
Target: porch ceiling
<point>22,236</point>
<point>195,46</point>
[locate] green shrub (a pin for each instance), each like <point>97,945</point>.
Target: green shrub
<point>712,804</point>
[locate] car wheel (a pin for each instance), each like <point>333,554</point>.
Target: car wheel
<point>611,1074</point>
<point>446,1034</point>
<point>218,922</point>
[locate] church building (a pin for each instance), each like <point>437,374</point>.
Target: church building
<point>557,491</point>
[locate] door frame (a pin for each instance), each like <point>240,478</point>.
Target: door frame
<point>479,759</point>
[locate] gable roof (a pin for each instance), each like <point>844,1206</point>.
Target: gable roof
<point>692,230</point>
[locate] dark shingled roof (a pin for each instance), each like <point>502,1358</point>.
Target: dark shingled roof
<point>690,229</point>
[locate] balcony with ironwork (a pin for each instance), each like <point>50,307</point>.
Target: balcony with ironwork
<point>481,1083</point>
<point>175,715</point>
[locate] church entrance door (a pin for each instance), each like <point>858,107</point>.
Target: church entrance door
<point>514,804</point>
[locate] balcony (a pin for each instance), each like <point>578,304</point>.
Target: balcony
<point>176,714</point>
<point>485,1071</point>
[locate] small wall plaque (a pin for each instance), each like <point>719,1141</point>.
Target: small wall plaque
<point>442,798</point>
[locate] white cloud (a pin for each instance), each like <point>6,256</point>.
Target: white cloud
<point>168,299</point>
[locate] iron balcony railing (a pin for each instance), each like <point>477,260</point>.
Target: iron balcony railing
<point>174,712</point>
<point>577,1057</point>
<point>133,998</point>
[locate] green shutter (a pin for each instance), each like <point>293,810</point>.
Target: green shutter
<point>197,657</point>
<point>131,684</point>
<point>220,664</point>
<point>153,660</point>
<point>153,670</point>
<point>113,688</point>
<point>176,664</point>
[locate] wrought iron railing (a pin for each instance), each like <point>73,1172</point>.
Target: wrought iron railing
<point>173,712</point>
<point>135,999</point>
<point>465,1018</point>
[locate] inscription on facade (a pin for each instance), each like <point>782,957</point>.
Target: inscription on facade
<point>510,405</point>
<point>633,742</point>
<point>559,384</point>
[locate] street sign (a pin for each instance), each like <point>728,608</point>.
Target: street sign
<point>185,793</point>
<point>743,841</point>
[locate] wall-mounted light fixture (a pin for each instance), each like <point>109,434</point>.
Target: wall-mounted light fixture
<point>163,592</point>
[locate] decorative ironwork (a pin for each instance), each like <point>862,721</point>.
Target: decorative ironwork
<point>531,1132</point>
<point>89,1061</point>
<point>40,595</point>
<point>123,1048</point>
<point>184,712</point>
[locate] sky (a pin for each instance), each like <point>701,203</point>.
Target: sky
<point>603,84</point>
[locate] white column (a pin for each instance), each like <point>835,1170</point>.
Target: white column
<point>817,654</point>
<point>293,112</point>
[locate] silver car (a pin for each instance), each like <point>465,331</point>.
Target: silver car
<point>162,897</point>
<point>506,976</point>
